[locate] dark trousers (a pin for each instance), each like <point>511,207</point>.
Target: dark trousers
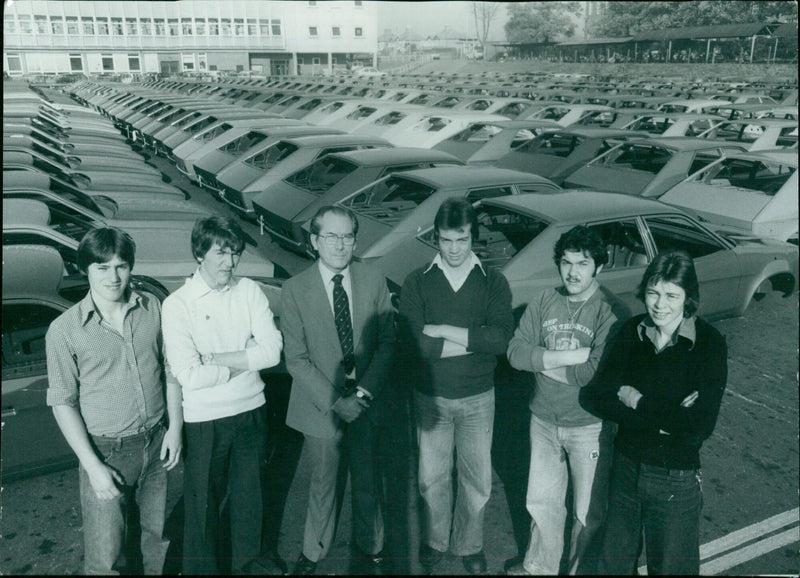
<point>223,460</point>
<point>666,504</point>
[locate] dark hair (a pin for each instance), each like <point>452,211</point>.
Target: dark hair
<point>103,244</point>
<point>316,220</point>
<point>223,231</point>
<point>455,213</point>
<point>580,239</point>
<point>673,267</point>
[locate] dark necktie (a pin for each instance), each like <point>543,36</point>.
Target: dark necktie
<point>344,325</point>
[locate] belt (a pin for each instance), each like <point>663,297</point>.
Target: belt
<point>148,433</point>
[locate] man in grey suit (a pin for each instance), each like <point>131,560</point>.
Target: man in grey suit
<point>338,327</point>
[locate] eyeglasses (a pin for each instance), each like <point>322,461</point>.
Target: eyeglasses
<point>332,240</point>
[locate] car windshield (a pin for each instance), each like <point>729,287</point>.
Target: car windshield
<point>759,176</point>
<point>238,146</point>
<point>210,135</point>
<point>552,144</point>
<point>321,175</point>
<point>645,158</point>
<point>390,200</point>
<point>199,125</point>
<point>187,119</point>
<point>476,133</point>
<point>502,233</point>
<point>271,156</point>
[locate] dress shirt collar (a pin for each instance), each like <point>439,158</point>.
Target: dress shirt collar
<point>198,287</point>
<point>327,274</point>
<point>686,329</point>
<point>473,262</point>
<point>87,308</point>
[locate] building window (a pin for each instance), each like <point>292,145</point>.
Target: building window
<point>160,28</point>
<point>213,27</point>
<point>276,27</point>
<point>102,26</point>
<point>359,31</point>
<point>14,63</point>
<point>264,27</point>
<point>336,31</point>
<point>200,26</point>
<point>108,62</point>
<point>41,24</point>
<point>72,25</point>
<point>201,60</point>
<point>172,24</point>
<point>9,24</point>
<point>315,60</point>
<point>25,24</point>
<point>133,62</point>
<point>225,27</point>
<point>88,25</point>
<point>238,26</point>
<point>131,27</point>
<point>252,29</point>
<point>116,27</point>
<point>312,31</point>
<point>186,26</point>
<point>57,24</point>
<point>147,26</point>
<point>75,62</point>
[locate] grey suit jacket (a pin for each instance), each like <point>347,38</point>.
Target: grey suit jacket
<point>312,350</point>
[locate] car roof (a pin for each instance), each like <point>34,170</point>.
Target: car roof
<point>786,156</point>
<point>31,271</point>
<point>597,132</point>
<point>25,212</point>
<point>682,143</point>
<point>580,206</point>
<point>397,155</point>
<point>471,176</point>
<point>335,139</point>
<point>25,179</point>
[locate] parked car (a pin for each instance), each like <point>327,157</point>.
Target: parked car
<point>434,128</point>
<point>751,193</point>
<point>368,71</point>
<point>756,134</point>
<point>517,235</point>
<point>398,205</point>
<point>648,167</point>
<point>283,207</point>
<point>488,142</point>
<point>566,114</point>
<point>556,154</point>
<point>240,181</point>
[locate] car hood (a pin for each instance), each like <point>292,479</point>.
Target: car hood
<point>285,200</point>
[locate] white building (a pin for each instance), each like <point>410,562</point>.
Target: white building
<point>265,36</point>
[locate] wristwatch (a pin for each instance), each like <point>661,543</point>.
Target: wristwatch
<point>361,394</point>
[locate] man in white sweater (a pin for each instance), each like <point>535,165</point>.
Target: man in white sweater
<point>219,332</point>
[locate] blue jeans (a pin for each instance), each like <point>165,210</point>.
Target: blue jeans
<point>558,454</point>
<point>465,425</point>
<point>137,459</point>
<point>667,504</point>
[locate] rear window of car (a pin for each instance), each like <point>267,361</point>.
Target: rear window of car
<point>321,175</point>
<point>311,104</point>
<point>552,144</point>
<point>189,118</point>
<point>651,124</point>
<point>502,233</point>
<point>757,176</point>
<point>361,112</point>
<point>201,124</point>
<point>210,135</point>
<point>390,200</point>
<point>644,158</point>
<point>390,118</point>
<point>271,156</point>
<point>238,146</point>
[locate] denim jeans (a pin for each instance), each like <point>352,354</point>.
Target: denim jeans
<point>558,454</point>
<point>137,459</point>
<point>465,425</point>
<point>223,462</point>
<point>667,504</point>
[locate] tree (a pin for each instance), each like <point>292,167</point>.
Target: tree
<point>630,18</point>
<point>484,13</point>
<point>540,21</point>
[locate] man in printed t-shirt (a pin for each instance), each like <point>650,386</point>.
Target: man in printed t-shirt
<point>560,341</point>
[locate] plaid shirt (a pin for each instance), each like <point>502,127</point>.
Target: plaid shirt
<point>116,380</point>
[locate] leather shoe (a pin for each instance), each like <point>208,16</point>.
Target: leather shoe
<point>517,570</point>
<point>429,557</point>
<point>475,563</point>
<point>372,564</point>
<point>304,566</point>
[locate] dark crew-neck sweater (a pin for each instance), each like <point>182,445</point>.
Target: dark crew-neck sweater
<point>482,305</point>
<point>659,431</point>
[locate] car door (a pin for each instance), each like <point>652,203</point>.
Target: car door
<point>718,268</point>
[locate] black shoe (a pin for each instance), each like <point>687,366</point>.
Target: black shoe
<point>475,563</point>
<point>372,564</point>
<point>304,566</point>
<point>429,557</point>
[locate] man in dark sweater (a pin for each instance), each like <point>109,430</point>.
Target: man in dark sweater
<point>455,314</point>
<point>559,344</point>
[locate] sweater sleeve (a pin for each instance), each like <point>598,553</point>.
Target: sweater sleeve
<point>412,318</point>
<point>267,343</point>
<point>695,423</point>
<point>582,374</point>
<point>182,352</point>
<point>493,336</point>
<point>524,352</point>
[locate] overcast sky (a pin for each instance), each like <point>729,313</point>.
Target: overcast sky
<point>427,18</point>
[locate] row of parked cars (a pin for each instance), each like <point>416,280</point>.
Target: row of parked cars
<point>645,174</point>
